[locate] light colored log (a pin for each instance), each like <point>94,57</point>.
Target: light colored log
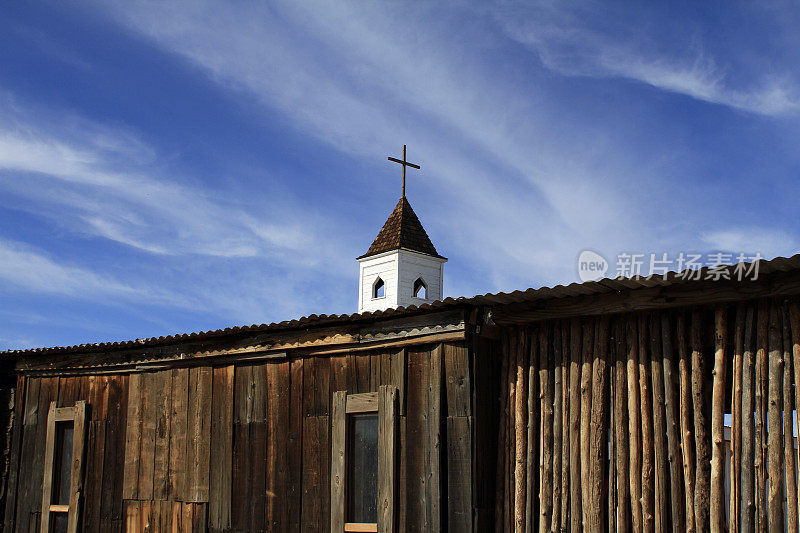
<point>575,370</point>
<point>557,425</point>
<point>598,447</point>
<point>565,440</point>
<point>717,489</point>
<point>685,415</point>
<point>546,396</point>
<point>586,413</point>
<point>747,518</point>
<point>671,419</point>
<point>775,462</point>
<point>634,423</point>
<point>533,433</point>
<point>646,398</point>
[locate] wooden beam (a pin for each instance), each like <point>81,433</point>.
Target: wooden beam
<point>717,488</point>
<point>387,459</point>
<point>648,299</point>
<point>364,402</point>
<point>338,458</point>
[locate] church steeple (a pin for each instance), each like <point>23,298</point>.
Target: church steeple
<point>402,267</point>
<point>402,230</point>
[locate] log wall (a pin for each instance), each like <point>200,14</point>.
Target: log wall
<point>246,447</point>
<point>642,401</point>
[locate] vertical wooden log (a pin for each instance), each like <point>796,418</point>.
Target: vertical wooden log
<point>685,415</point>
<point>794,317</point>
<point>575,370</point>
<point>659,426</point>
<point>671,417</point>
<point>762,328</point>
<point>565,440</point>
<point>748,404</point>
<point>546,396</point>
<point>788,438</point>
<point>610,470</point>
<point>703,453</point>
<point>502,441</point>
<point>634,423</point>
<point>586,414</point>
<point>511,460</point>
<point>736,424</point>
<point>775,463</point>
<point>521,432</point>
<point>557,425</point>
<point>717,489</point>
<point>532,503</point>
<point>648,481</point>
<point>621,446</point>
<point>599,438</point>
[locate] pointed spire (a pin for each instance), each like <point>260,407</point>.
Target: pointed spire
<point>402,230</point>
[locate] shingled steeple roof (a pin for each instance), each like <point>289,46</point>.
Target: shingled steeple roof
<point>402,230</point>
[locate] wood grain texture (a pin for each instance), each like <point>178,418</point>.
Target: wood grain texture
<point>717,486</point>
<point>646,399</point>
<point>586,416</point>
<point>747,517</point>
<point>338,458</point>
<point>198,449</point>
<point>775,462</point>
<point>575,372</point>
<point>701,427</point>
<point>671,407</point>
<point>788,439</point>
<point>219,508</point>
<point>387,461</point>
<point>762,330</point>
<point>659,424</point>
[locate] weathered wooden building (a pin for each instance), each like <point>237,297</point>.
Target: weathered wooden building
<point>598,405</point>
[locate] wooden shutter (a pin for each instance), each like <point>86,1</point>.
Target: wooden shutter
<point>77,415</point>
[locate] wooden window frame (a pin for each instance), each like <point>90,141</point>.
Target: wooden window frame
<point>77,415</point>
<point>384,402</point>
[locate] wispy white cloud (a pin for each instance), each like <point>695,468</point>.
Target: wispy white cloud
<point>375,85</point>
<point>769,242</point>
<point>116,187</point>
<point>565,42</point>
<point>32,270</point>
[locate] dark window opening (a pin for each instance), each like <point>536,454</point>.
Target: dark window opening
<point>378,289</point>
<point>362,468</point>
<point>420,289</point>
<point>62,464</point>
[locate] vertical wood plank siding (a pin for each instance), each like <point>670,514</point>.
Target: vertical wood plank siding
<point>246,447</point>
<point>679,420</point>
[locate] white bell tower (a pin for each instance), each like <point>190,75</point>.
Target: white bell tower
<point>402,267</point>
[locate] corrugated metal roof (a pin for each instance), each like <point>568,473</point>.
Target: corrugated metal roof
<point>606,285</point>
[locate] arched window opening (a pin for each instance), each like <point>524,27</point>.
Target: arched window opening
<point>420,289</point>
<point>378,289</point>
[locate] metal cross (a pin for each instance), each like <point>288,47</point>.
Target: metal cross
<point>405,164</point>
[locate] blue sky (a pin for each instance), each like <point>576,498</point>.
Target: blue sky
<point>182,166</point>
